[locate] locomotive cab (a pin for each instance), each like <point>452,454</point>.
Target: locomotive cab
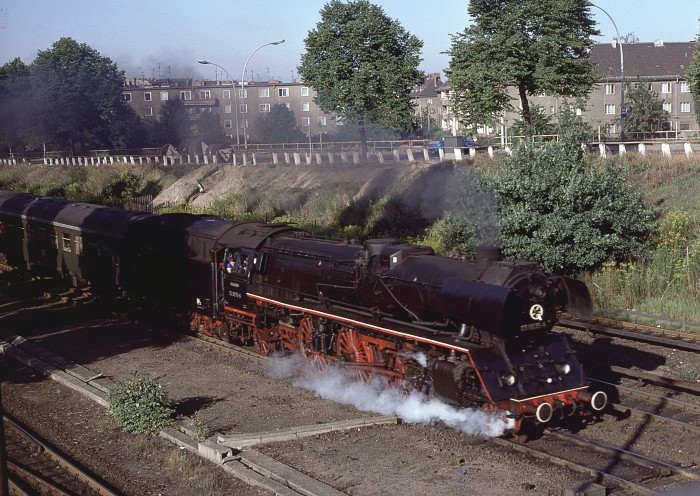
<point>234,272</point>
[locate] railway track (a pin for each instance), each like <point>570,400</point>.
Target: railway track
<point>38,469</point>
<point>613,466</point>
<point>682,340</point>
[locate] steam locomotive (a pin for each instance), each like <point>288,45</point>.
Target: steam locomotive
<point>473,333</point>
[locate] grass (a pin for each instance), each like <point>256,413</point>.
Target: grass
<point>197,473</point>
<point>666,280</point>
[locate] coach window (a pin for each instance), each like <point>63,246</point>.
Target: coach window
<point>66,242</point>
<point>78,244</point>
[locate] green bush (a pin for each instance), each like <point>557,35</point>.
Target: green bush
<point>566,214</point>
<point>451,236</point>
<point>140,405</point>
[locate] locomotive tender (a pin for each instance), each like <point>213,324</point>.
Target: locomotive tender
<point>473,333</point>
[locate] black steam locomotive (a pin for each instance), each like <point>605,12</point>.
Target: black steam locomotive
<point>474,333</point>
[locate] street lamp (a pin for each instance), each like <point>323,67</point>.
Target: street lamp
<point>233,88</point>
<point>623,112</point>
<point>245,133</point>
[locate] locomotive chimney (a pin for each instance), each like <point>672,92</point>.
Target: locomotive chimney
<point>486,254</point>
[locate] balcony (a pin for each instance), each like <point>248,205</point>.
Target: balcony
<point>211,102</point>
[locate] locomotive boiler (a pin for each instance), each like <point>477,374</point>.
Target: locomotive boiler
<point>473,333</point>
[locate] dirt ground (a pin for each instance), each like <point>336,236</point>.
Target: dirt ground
<point>425,187</point>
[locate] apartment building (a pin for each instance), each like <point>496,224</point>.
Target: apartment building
<point>238,107</point>
<point>429,108</point>
<point>659,65</point>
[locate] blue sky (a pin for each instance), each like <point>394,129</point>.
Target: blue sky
<point>157,38</point>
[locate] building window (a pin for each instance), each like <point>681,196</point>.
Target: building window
<point>264,92</point>
<point>205,110</point>
<point>609,109</point>
<point>685,107</point>
<point>685,87</point>
<point>665,87</point>
<point>242,93</point>
<point>283,92</point>
<point>205,94</point>
<point>612,128</point>
<point>264,107</point>
<point>304,91</point>
<point>609,89</point>
<point>227,124</point>
<point>429,101</point>
<point>668,107</point>
<point>551,110</point>
<point>227,109</point>
<point>304,106</point>
<point>185,95</point>
<point>126,97</point>
<point>227,94</point>
<point>243,108</point>
<point>148,111</point>
<point>147,96</point>
<point>66,242</point>
<point>305,121</point>
<point>579,112</point>
<point>163,96</point>
<point>322,120</point>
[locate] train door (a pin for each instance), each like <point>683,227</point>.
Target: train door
<point>235,277</point>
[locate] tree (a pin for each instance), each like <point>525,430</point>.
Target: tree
<point>14,95</point>
<point>363,66</point>
<point>564,214</point>
<point>279,125</point>
<point>78,95</point>
<point>540,123</point>
<point>173,126</point>
<point>645,112</point>
<point>535,46</point>
<point>693,77</point>
<point>209,126</point>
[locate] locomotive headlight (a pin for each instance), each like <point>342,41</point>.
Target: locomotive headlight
<point>563,368</point>
<point>509,379</point>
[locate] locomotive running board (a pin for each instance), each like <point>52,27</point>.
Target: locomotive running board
<point>360,323</point>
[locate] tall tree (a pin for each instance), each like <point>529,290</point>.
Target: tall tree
<point>645,112</point>
<point>279,125</point>
<point>174,126</point>
<point>77,94</point>
<point>693,77</point>
<point>363,65</point>
<point>14,95</point>
<point>535,46</point>
<point>210,130</point>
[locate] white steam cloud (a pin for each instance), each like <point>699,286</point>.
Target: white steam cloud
<point>339,385</point>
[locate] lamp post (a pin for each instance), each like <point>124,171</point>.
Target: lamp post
<point>623,112</point>
<point>245,132</point>
<point>233,88</point>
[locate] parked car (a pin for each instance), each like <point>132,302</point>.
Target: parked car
<point>450,142</point>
